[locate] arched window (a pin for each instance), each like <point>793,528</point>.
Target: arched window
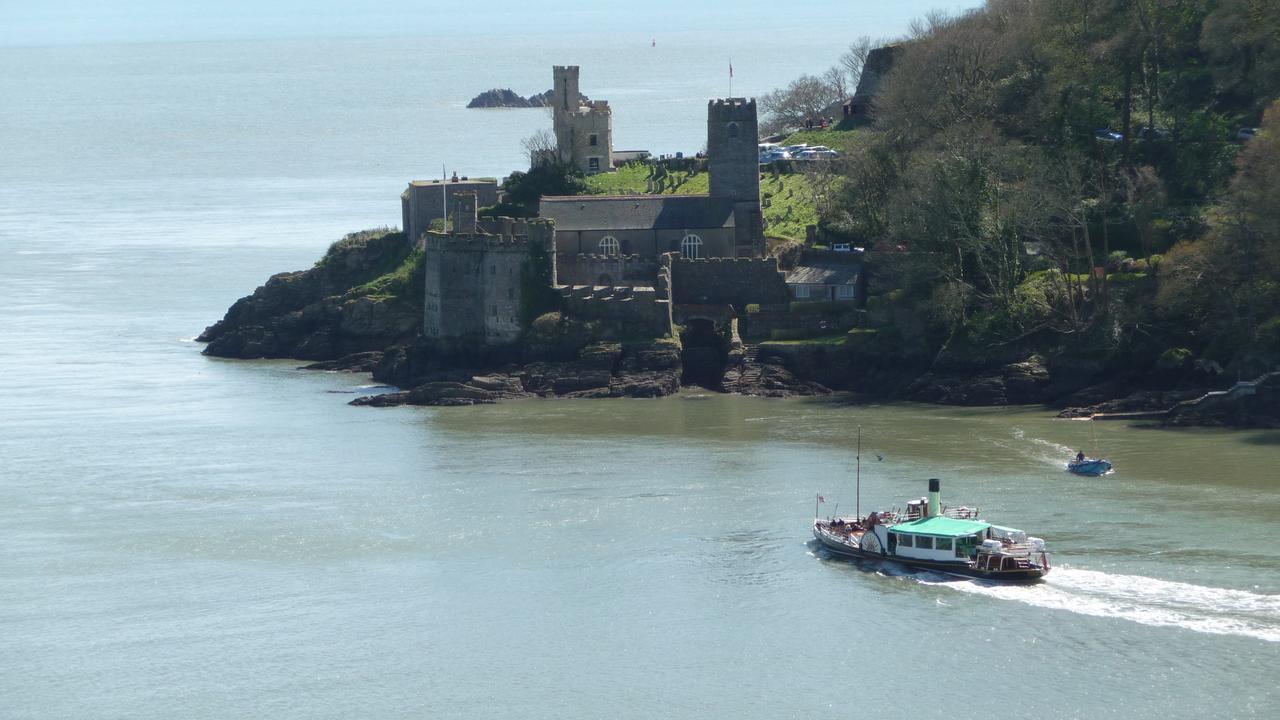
<point>733,130</point>
<point>691,246</point>
<point>609,246</point>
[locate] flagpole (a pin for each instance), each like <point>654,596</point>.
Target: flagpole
<point>857,511</point>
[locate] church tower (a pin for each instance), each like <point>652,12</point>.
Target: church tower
<point>733,160</point>
<point>733,150</point>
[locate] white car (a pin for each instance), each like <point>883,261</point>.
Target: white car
<point>818,155</point>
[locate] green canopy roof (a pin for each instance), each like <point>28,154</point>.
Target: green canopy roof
<point>941,526</point>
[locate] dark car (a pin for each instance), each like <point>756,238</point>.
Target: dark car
<point>1107,135</point>
<point>1154,134</point>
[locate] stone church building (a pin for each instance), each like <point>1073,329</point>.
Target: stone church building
<point>724,223</point>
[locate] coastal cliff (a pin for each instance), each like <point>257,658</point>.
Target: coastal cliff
<point>363,295</point>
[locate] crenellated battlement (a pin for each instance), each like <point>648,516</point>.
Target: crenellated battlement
<point>623,311</point>
<point>741,262</point>
<point>732,109</point>
<point>438,242</point>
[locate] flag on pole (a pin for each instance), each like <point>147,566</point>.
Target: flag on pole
<point>730,68</point>
<point>821,499</point>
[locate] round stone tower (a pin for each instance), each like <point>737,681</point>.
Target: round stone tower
<point>733,155</point>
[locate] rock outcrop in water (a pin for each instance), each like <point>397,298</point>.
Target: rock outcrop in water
<point>507,98</point>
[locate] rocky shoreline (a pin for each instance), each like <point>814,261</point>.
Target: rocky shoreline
<point>341,315</point>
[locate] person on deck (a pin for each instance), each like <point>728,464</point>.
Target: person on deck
<point>1080,456</point>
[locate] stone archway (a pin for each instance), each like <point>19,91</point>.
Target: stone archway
<point>704,352</point>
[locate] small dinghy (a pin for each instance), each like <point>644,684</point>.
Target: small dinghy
<point>1090,467</point>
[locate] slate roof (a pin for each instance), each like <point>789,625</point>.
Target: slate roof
<point>825,274</point>
<point>637,212</point>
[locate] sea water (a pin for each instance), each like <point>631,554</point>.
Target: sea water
<point>192,537</point>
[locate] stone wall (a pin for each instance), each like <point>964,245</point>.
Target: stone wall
<point>620,312</point>
<point>628,270</point>
<point>726,281</point>
<point>648,242</point>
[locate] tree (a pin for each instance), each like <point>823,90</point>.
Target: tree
<point>540,147</point>
<point>806,98</point>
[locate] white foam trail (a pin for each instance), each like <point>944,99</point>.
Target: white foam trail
<point>1144,600</point>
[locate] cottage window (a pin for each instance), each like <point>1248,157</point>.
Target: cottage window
<point>802,292</point>
<point>691,246</point>
<point>844,292</point>
<point>609,246</point>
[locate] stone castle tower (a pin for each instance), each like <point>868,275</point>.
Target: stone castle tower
<point>584,133</point>
<point>733,160</point>
<point>474,293</point>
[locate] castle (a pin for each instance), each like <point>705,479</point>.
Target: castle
<point>630,266</point>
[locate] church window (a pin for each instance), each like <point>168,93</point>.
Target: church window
<point>609,246</point>
<point>691,246</point>
<point>733,130</point>
<point>593,140</point>
<point>593,164</point>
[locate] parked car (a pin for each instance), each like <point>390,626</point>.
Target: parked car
<point>1107,135</point>
<point>793,149</point>
<point>766,158</point>
<point>1154,134</point>
<point>1246,134</point>
<point>817,155</point>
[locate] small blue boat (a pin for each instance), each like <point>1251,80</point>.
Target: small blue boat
<point>1090,467</point>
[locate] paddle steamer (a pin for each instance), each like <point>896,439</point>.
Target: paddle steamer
<point>928,537</point>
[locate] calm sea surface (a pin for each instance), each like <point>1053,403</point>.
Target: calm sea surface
<point>186,537</point>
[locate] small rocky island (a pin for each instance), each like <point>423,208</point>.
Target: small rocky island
<point>508,98</point>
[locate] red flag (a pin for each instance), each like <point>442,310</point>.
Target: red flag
<point>821,499</point>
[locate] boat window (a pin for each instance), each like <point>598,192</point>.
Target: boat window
<point>904,541</point>
<point>942,544</point>
<point>924,542</point>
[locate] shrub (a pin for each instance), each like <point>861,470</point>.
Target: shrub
<point>1174,359</point>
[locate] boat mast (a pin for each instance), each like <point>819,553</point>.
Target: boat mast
<point>857,493</point>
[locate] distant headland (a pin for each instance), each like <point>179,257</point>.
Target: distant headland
<point>955,268</point>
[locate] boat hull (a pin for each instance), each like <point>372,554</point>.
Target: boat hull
<point>1090,468</point>
<point>1020,575</point>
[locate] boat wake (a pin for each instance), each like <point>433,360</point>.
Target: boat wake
<point>1144,600</point>
<point>1043,451</point>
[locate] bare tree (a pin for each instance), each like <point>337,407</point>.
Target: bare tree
<point>806,98</point>
<point>855,58</point>
<point>540,147</point>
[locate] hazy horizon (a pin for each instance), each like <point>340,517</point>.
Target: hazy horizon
<point>77,22</point>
